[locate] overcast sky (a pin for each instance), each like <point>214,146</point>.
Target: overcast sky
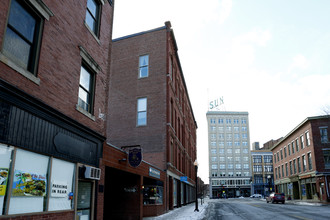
<point>270,58</point>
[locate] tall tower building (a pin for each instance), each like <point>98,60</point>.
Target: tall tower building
<point>229,154</point>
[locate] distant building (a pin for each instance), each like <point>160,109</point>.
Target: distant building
<point>229,154</point>
<point>302,161</point>
<point>255,146</point>
<point>268,145</point>
<point>262,172</point>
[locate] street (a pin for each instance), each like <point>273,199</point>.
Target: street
<point>248,208</point>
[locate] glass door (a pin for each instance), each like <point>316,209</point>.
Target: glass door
<point>84,200</point>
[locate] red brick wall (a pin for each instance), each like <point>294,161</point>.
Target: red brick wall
<point>60,60</point>
<point>125,88</point>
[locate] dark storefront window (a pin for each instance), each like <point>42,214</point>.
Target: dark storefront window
<point>153,192</point>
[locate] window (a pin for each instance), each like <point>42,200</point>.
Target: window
<point>303,158</point>
<point>290,167</point>
<point>93,16</point>
<point>282,170</point>
<point>281,154</point>
<point>213,151</point>
<point>229,143</point>
<point>236,121</point>
<point>214,166</point>
<point>221,151</point>
<point>324,134</point>
<point>244,143</point>
<point>308,141</point>
<point>297,145</point>
<point>213,159</point>
<point>222,159</point>
<point>23,36</point>
<point>228,121</point>
<point>142,111</point>
<point>237,151</point>
<point>268,168</point>
<point>299,165</point>
<point>292,145</point>
<point>213,137</point>
<point>212,120</point>
<point>228,129</point>
<point>229,151</point>
<point>213,144</point>
<point>257,159</point>
<point>245,159</point>
<point>221,136</point>
<point>220,121</point>
<point>310,165</point>
<point>236,129</point>
<point>268,159</point>
<point>244,136</point>
<point>229,136</point>
<point>230,159</point>
<point>294,167</point>
<point>302,142</point>
<point>220,129</point>
<point>326,156</point>
<point>246,166</point>
<point>245,151</point>
<point>238,166</point>
<point>221,144</point>
<point>276,173</point>
<point>285,152</point>
<point>289,149</point>
<point>257,168</point>
<point>230,166</point>
<point>243,121</point>
<point>144,66</point>
<point>86,89</point>
<point>237,143</point>
<point>222,166</point>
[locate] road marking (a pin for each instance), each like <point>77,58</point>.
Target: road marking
<point>254,205</point>
<point>297,216</point>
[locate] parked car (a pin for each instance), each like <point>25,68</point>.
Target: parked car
<point>276,197</point>
<point>256,196</point>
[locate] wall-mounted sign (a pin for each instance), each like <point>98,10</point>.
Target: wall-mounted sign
<point>59,189</point>
<point>216,103</point>
<point>135,157</point>
<point>29,184</point>
<point>154,173</point>
<point>3,180</point>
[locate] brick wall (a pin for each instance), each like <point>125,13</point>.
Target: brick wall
<point>60,60</point>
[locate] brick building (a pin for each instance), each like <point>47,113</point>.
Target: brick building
<point>302,161</point>
<point>149,107</point>
<point>54,69</point>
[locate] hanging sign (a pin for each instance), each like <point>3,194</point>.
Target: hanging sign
<point>135,157</point>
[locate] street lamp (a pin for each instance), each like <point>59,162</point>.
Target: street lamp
<point>196,201</point>
<point>269,179</point>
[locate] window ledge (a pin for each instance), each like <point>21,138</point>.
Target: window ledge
<point>93,34</point>
<point>19,69</point>
<point>42,8</point>
<point>84,112</point>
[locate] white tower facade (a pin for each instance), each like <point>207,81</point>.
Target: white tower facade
<point>229,154</point>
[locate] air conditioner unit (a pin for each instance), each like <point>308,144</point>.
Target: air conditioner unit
<point>92,173</point>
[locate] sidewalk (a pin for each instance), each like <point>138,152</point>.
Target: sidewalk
<point>184,213</point>
<point>305,202</point>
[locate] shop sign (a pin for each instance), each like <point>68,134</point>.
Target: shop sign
<point>154,173</point>
<point>29,184</point>
<point>3,180</point>
<point>184,179</point>
<point>59,189</point>
<point>135,157</point>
